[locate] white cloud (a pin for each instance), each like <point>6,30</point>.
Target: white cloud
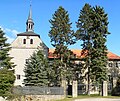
<point>1,27</point>
<point>10,39</point>
<point>13,31</point>
<point>10,33</point>
<point>7,30</point>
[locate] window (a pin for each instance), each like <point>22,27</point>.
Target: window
<point>109,78</point>
<point>18,77</point>
<point>119,64</point>
<point>110,64</point>
<point>31,41</point>
<point>24,41</point>
<point>116,64</point>
<point>29,26</point>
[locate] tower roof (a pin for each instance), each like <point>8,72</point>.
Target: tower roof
<point>29,33</point>
<point>29,26</point>
<point>30,13</point>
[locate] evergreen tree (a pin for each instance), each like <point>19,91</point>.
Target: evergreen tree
<point>61,36</point>
<point>92,30</point>
<point>7,77</point>
<point>4,49</point>
<point>83,33</point>
<point>36,70</point>
<point>99,51</point>
<point>55,72</point>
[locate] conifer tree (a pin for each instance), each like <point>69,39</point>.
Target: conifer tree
<point>7,77</point>
<point>4,49</point>
<point>36,70</point>
<point>99,51</point>
<point>83,25</point>
<point>93,30</point>
<point>61,36</point>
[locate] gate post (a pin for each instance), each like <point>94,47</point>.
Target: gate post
<point>75,89</point>
<point>114,81</point>
<point>104,88</point>
<point>64,86</point>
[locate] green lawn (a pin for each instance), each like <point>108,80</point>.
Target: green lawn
<point>69,98</point>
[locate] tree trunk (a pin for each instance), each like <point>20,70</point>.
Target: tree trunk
<point>88,92</point>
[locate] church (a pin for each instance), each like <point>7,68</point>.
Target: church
<point>23,47</point>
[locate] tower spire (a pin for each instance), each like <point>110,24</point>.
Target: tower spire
<point>30,13</point>
<point>30,23</point>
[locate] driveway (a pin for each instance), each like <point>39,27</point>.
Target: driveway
<point>97,99</point>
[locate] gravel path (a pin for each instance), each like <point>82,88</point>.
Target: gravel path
<point>97,99</point>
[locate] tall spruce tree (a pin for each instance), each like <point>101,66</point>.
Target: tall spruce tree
<point>83,33</point>
<point>7,77</point>
<point>4,49</point>
<point>36,70</point>
<point>61,36</point>
<point>92,30</point>
<point>99,51</point>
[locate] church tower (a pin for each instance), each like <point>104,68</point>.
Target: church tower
<point>23,47</point>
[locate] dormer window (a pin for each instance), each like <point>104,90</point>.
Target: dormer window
<point>31,41</point>
<point>24,41</point>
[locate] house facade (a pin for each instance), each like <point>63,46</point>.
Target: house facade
<point>113,66</point>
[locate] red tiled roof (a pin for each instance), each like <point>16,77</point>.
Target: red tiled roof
<point>77,52</point>
<point>112,55</point>
<point>50,54</point>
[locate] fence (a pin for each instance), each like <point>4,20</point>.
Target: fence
<point>94,88</point>
<point>34,90</point>
<point>110,87</point>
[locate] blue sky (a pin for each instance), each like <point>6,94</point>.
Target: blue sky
<point>14,13</point>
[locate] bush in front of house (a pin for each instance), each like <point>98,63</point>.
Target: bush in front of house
<point>116,90</point>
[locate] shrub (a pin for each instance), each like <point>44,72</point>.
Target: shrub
<point>116,90</point>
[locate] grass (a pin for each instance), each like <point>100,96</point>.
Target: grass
<point>69,98</point>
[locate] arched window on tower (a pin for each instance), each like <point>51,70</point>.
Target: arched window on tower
<point>31,41</point>
<point>24,41</point>
<point>29,26</point>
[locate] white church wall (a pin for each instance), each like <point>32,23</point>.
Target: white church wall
<point>18,42</point>
<point>20,56</point>
<point>20,52</point>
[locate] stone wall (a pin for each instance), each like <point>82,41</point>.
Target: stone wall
<point>44,97</point>
<point>39,98</point>
<point>34,93</point>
